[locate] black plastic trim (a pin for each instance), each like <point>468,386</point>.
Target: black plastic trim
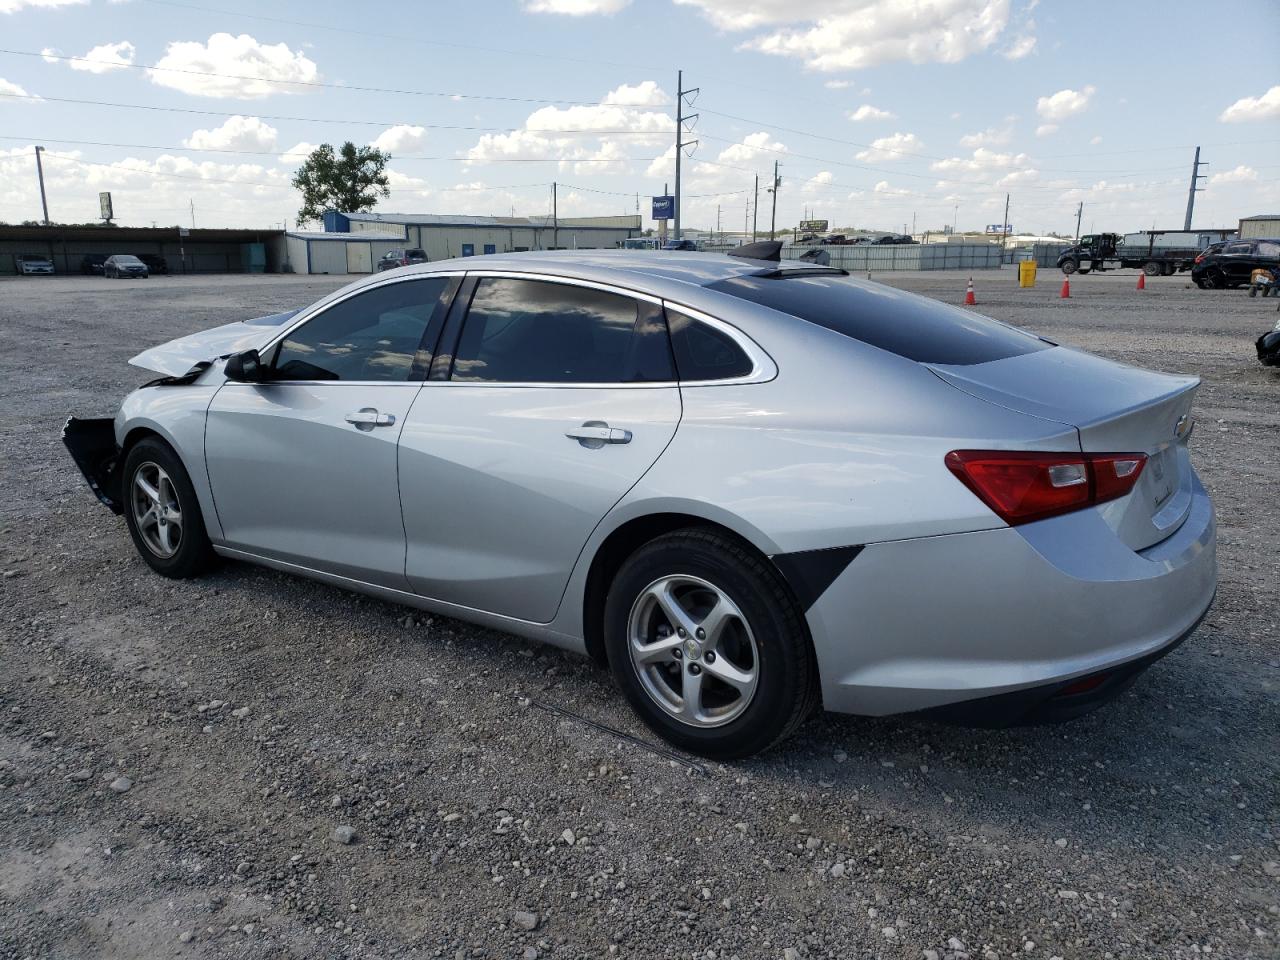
<point>810,572</point>
<point>92,444</point>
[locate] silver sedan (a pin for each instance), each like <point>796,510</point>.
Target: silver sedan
<point>747,486</point>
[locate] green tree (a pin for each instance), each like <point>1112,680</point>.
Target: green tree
<point>351,180</point>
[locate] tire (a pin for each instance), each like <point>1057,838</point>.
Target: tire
<point>763,644</point>
<point>1069,267</point>
<point>1253,290</point>
<point>1152,269</point>
<point>154,463</point>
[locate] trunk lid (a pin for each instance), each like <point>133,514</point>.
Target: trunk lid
<point>176,357</point>
<point>1115,408</point>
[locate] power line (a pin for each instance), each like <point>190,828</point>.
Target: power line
<point>319,83</point>
<point>555,132</point>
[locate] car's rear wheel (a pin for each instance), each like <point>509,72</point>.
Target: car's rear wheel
<point>162,512</point>
<point>708,645</point>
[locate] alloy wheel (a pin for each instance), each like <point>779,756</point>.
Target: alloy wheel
<point>693,650</point>
<point>156,510</point>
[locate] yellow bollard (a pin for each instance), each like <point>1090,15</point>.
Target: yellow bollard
<point>1027,273</point>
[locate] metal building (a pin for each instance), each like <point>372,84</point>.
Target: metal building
<point>316,252</point>
<point>448,235</point>
<point>1263,225</point>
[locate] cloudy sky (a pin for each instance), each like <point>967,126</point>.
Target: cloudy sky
<point>880,112</point>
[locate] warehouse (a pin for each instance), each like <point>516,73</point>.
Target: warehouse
<point>450,235</point>
<point>1263,225</point>
<point>316,252</point>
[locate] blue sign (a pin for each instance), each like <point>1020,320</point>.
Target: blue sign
<point>664,208</point>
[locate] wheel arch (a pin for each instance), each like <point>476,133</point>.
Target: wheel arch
<point>630,534</point>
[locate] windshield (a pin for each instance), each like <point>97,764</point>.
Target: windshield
<point>127,260</point>
<point>911,326</point>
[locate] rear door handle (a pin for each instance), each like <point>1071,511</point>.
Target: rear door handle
<point>596,433</point>
<point>367,418</point>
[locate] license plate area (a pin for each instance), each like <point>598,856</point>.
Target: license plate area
<point>1162,469</point>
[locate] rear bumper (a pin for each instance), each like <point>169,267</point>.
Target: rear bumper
<point>1012,616</point>
<point>92,444</point>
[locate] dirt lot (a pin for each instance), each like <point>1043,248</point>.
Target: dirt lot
<point>252,714</point>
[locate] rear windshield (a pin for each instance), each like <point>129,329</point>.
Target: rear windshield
<point>910,326</point>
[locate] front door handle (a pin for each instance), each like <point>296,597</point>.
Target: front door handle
<point>596,433</point>
<point>366,418</point>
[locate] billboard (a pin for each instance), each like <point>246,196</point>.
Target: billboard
<point>104,206</point>
<point>664,208</point>
<point>814,226</point>
<point>999,228</point>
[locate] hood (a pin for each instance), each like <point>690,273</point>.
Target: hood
<point>176,357</point>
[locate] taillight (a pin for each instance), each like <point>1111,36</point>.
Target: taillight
<point>1024,486</point>
<point>1200,258</point>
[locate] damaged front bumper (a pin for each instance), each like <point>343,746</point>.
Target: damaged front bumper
<point>92,443</point>
<point>1268,346</point>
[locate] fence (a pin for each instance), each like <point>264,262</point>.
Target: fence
<point>864,258</point>
<point>1044,254</point>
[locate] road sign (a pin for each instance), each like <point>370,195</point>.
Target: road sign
<point>664,208</point>
<point>104,205</point>
<point>814,226</point>
<point>999,228</point>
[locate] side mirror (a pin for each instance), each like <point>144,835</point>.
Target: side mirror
<point>245,367</point>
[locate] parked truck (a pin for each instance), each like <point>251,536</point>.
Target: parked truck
<point>1155,252</point>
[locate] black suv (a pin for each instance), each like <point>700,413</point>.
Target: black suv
<point>155,263</point>
<point>1230,264</point>
<point>91,263</point>
<point>401,258</point>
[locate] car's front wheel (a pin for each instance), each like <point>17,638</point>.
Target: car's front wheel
<point>162,512</point>
<point>709,646</point>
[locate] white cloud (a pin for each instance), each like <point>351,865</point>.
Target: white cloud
<point>1096,140</point>
<point>402,138</point>
<point>241,56</point>
<point>1046,129</point>
<point>575,8</point>
<point>13,6</point>
<point>103,58</point>
<point>237,133</point>
<point>51,55</point>
<point>298,152</point>
<point>565,132</point>
<point>647,93</point>
<point>1005,168</point>
<point>857,34</point>
<point>1064,103</point>
<point>1240,174</point>
<point>836,84</point>
<point>990,137</point>
<point>868,112</point>
<point>817,182</point>
<point>1024,45</point>
<point>893,147</point>
<point>12,92</point>
<point>1248,109</point>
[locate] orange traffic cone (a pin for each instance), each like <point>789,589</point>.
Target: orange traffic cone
<point>1142,281</point>
<point>969,299</point>
<point>1066,289</point>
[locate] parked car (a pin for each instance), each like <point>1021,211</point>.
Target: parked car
<point>155,263</point>
<point>121,265</point>
<point>32,265</point>
<point>93,263</point>
<point>935,513</point>
<point>401,258</point>
<point>1231,264</point>
<point>681,245</point>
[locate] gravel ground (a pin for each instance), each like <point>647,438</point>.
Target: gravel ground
<point>252,765</point>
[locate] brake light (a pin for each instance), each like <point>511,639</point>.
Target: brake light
<point>1023,486</point>
<point>1200,258</point>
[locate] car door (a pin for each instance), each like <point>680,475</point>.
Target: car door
<point>303,465</point>
<point>557,398</point>
<point>1237,261</point>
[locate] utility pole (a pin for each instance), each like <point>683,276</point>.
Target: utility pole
<point>773,218</point>
<point>555,217</point>
<point>681,143</point>
<point>1196,177</point>
<point>755,210</point>
<point>1079,213</point>
<point>718,230</point>
<point>1004,227</point>
<point>44,204</point>
<point>191,200</point>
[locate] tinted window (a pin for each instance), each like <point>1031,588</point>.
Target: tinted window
<point>703,352</point>
<point>377,335</point>
<point>1238,248</point>
<point>535,331</point>
<point>910,326</point>
<point>1268,249</point>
